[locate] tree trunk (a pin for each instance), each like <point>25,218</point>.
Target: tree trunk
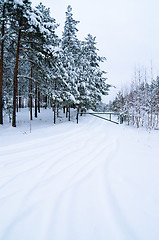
<point>69,114</point>
<point>30,95</point>
<point>15,83</point>
<point>45,101</point>
<point>20,97</point>
<point>64,106</point>
<point>36,100</point>
<point>1,66</point>
<point>23,103</point>
<point>17,99</point>
<point>77,114</point>
<point>55,112</point>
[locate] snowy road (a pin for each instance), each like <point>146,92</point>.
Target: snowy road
<point>92,181</point>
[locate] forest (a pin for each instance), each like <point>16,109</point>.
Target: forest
<point>38,69</point>
<point>140,103</point>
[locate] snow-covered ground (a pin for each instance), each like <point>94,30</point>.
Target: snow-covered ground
<point>91,181</point>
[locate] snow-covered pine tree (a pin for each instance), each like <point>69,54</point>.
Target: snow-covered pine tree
<point>20,24</point>
<point>53,70</point>
<point>43,41</point>
<point>94,79</point>
<point>63,74</point>
<point>35,49</point>
<point>5,7</point>
<point>71,50</point>
<point>2,16</point>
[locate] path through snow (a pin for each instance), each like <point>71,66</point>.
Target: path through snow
<point>92,181</point>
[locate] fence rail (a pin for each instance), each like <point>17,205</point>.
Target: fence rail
<point>96,114</point>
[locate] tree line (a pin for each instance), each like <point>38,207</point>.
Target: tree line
<point>140,104</point>
<point>39,69</point>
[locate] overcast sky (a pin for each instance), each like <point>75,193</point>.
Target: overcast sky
<point>127,32</point>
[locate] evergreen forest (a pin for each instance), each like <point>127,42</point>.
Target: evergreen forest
<point>38,69</point>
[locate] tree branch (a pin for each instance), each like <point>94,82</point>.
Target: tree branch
<point>27,60</point>
<point>29,42</point>
<point>29,78</point>
<point>26,48</point>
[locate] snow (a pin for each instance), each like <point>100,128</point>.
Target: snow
<point>91,181</point>
<point>18,2</point>
<point>34,19</point>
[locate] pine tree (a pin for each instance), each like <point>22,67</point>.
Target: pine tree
<point>94,78</point>
<point>34,62</point>
<point>4,8</point>
<point>71,48</point>
<point>44,41</point>
<point>20,17</point>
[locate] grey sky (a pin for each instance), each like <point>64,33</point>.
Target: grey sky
<point>127,32</point>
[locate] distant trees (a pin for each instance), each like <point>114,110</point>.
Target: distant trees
<point>39,69</point>
<point>140,105</point>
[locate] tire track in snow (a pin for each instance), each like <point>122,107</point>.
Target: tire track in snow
<point>40,141</point>
<point>124,230</point>
<point>61,212</point>
<point>55,172</point>
<point>43,161</point>
<point>33,154</point>
<point>77,172</point>
<point>31,149</point>
<point>72,187</point>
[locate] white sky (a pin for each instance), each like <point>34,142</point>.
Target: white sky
<point>127,32</point>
